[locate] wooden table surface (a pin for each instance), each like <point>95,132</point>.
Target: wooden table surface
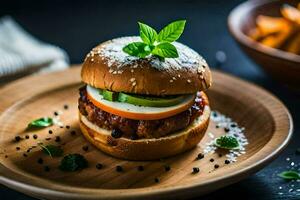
<point>78,26</point>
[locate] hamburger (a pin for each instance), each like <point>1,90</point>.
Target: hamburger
<point>143,108</point>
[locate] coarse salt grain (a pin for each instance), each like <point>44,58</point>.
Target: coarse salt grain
<point>57,121</point>
<point>211,135</point>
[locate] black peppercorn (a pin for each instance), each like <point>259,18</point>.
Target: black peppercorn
<point>156,180</point>
<point>55,113</point>
<point>24,154</point>
<point>196,170</point>
<point>73,132</point>
<point>227,162</point>
<point>119,168</point>
<point>99,166</point>
<point>116,133</point>
<point>66,106</point>
<point>35,137</point>
<point>216,166</point>
<point>47,168</point>
<point>214,114</point>
<point>226,129</point>
<point>18,148</point>
<point>167,168</point>
<point>211,160</point>
<point>27,136</point>
<point>141,168</point>
<point>48,138</point>
<point>200,156</point>
<point>233,125</point>
<point>40,161</point>
<point>57,139</point>
<point>220,155</point>
<point>133,137</point>
<point>85,148</point>
<point>217,126</point>
<point>17,138</point>
<point>50,131</point>
<point>67,126</point>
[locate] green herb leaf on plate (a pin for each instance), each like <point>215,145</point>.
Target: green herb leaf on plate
<point>171,32</point>
<point>147,33</point>
<point>289,175</point>
<point>138,49</point>
<point>165,50</point>
<point>73,162</point>
<point>52,150</point>
<point>227,142</point>
<point>41,122</point>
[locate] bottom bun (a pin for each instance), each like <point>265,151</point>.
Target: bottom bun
<point>146,149</point>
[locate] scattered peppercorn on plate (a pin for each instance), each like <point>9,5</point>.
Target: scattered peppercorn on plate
<point>50,159</point>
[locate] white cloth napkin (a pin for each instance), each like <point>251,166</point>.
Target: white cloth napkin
<point>21,53</point>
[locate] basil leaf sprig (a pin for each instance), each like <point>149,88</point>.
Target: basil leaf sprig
<point>227,142</point>
<point>52,150</point>
<point>73,162</point>
<point>157,44</point>
<point>41,122</point>
<point>289,175</point>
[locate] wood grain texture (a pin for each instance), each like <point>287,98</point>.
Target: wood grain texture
<point>267,122</point>
<point>281,65</point>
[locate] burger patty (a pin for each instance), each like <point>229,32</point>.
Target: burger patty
<point>135,129</point>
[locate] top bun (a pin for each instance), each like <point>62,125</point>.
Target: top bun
<point>108,67</point>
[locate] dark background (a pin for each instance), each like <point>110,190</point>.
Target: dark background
<point>77,26</point>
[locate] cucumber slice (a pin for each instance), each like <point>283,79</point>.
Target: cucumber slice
<point>109,95</point>
<point>131,111</point>
<point>149,101</point>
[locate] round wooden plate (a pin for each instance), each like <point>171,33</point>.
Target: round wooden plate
<point>268,127</point>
